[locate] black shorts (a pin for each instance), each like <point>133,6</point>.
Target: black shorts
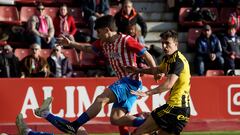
<point>171,119</point>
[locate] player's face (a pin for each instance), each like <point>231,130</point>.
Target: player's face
<point>103,33</point>
<point>169,46</point>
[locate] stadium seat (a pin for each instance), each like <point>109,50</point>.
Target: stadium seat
<point>2,42</point>
<point>65,1</point>
<point>184,11</point>
<point>9,15</point>
<point>224,14</point>
<point>45,53</point>
<point>182,15</point>
<point>51,11</point>
<point>48,1</point>
<point>72,55</point>
<point>87,60</point>
<point>77,13</point>
<point>237,72</point>
<point>79,73</point>
<point>215,12</point>
<point>26,12</point>
<point>25,1</point>
<point>193,34</point>
<point>214,73</point>
<point>21,53</point>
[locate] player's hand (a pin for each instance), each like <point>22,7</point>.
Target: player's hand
<point>158,77</point>
<point>139,93</point>
<point>62,40</point>
<point>131,69</point>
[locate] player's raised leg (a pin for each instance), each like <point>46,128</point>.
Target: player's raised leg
<point>43,112</point>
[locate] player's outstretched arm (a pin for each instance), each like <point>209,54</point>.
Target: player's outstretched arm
<point>86,47</point>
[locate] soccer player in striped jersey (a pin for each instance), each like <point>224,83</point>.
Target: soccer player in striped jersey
<point>171,117</point>
<point>121,51</point>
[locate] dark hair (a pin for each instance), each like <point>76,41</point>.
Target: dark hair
<point>40,6</point>
<point>106,21</point>
<point>169,34</point>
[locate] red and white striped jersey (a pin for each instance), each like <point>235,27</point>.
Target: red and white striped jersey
<point>121,53</point>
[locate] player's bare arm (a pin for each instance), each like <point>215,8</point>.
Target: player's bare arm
<point>150,61</point>
<point>86,47</point>
<point>165,86</point>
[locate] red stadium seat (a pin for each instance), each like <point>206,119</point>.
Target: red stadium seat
<point>9,15</point>
<point>88,60</point>
<point>182,15</point>
<point>77,13</point>
<point>45,53</point>
<point>21,53</point>
<point>214,73</point>
<point>2,42</point>
<point>184,11</point>
<point>34,1</point>
<point>215,12</point>
<point>26,13</point>
<point>48,1</point>
<point>25,1</point>
<point>193,34</point>
<point>72,55</point>
<point>224,14</point>
<point>51,11</point>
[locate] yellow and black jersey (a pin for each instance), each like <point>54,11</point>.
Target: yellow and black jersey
<point>177,64</point>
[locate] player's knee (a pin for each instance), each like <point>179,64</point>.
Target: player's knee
<point>101,100</point>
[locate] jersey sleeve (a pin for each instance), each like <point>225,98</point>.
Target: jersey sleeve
<point>176,67</point>
<point>135,46</point>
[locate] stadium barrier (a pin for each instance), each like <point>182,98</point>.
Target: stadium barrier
<point>215,102</point>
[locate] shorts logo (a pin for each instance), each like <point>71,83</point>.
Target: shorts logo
<point>182,117</point>
<point>234,99</point>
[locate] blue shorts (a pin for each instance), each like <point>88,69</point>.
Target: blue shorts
<point>121,89</point>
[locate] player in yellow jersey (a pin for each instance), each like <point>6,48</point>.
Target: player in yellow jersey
<point>171,117</point>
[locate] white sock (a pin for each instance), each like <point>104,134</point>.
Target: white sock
<point>28,130</point>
